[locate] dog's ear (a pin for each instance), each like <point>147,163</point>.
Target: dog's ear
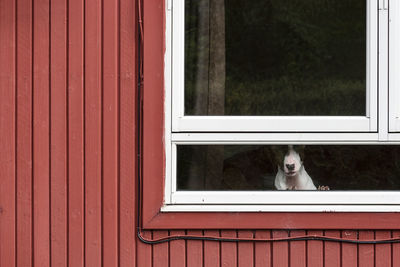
<point>301,150</point>
<point>277,154</point>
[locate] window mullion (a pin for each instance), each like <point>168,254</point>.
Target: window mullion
<point>372,65</point>
<point>383,125</point>
<point>394,65</point>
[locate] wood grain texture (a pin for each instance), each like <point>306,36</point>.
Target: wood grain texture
<point>212,250</point>
<point>76,146</point>
<point>298,250</point>
<point>245,249</point>
<point>153,156</point>
<point>144,252</point>
<point>58,136</point>
<point>228,249</point>
<point>396,250</point>
<point>366,252</point>
<point>160,251</point>
<point>110,160</point>
<point>68,95</point>
<point>262,253</point>
<point>93,133</point>
<point>194,250</point>
<point>383,252</point>
<point>280,250</point>
<point>349,251</point>
<point>24,133</point>
<point>315,251</point>
<point>332,250</point>
<point>41,133</point>
<point>128,127</point>
<point>8,133</point>
<point>177,250</point>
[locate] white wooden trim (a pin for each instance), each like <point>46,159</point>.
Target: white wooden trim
<point>287,197</point>
<point>298,129</point>
<point>280,208</point>
<point>174,170</point>
<point>272,124</point>
<point>178,59</point>
<point>275,138</point>
<point>394,66</point>
<point>394,137</point>
<point>169,154</point>
<point>372,64</point>
<point>182,123</point>
<point>383,126</point>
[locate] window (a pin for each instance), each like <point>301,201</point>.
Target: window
<point>248,81</point>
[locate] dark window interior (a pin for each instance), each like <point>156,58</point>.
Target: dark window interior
<point>275,57</point>
<point>241,167</point>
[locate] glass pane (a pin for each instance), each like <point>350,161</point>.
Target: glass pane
<point>275,57</point>
<point>272,167</point>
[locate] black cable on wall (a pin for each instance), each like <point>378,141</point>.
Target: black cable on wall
<point>205,238</point>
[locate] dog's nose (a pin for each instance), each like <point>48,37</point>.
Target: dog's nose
<point>290,167</point>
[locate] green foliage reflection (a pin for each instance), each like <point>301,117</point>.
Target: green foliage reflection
<point>282,57</point>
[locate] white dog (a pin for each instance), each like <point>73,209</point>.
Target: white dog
<point>293,176</point>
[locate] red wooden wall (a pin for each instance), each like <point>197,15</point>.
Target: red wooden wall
<point>67,153</point>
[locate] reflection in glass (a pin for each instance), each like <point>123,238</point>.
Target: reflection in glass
<point>257,167</point>
<point>275,57</point>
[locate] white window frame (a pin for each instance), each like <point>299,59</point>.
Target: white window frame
<point>394,66</point>
<point>212,130</point>
<point>180,122</point>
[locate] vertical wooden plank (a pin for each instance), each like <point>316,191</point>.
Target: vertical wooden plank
<point>194,250</point>
<point>93,138</point>
<point>127,146</point>
<point>160,251</point>
<point>383,252</point>
<point>110,133</point>
<point>263,254</point>
<point>177,250</point>
<point>153,71</point>
<point>396,249</point>
<point>58,137</point>
<point>315,251</point>
<point>76,134</point>
<point>212,250</point>
<point>7,132</point>
<point>332,250</point>
<point>144,255</point>
<point>245,249</point>
<point>280,250</point>
<point>366,251</point>
<point>349,251</point>
<point>24,133</point>
<point>228,249</point>
<point>41,133</point>
<point>298,250</point>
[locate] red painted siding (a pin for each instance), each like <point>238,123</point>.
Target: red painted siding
<point>68,155</point>
<point>67,100</point>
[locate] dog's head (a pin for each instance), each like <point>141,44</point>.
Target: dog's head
<point>292,162</point>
